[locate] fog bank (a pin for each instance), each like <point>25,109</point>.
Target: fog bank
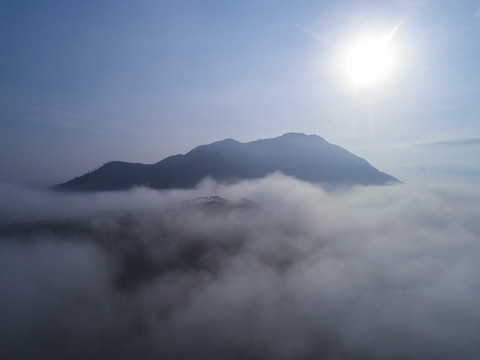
<point>361,273</point>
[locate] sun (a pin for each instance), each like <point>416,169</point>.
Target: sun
<point>369,60</point>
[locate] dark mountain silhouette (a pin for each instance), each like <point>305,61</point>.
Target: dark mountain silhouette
<point>306,157</point>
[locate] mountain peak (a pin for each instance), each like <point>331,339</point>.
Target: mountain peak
<point>226,141</point>
<point>306,157</point>
<point>294,135</point>
<point>300,136</point>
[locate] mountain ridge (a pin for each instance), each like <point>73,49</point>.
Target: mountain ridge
<point>306,157</point>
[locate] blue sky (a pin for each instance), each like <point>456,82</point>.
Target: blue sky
<point>85,82</point>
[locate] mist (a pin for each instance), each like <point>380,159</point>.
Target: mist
<point>372,272</point>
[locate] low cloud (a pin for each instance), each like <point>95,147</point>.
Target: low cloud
<point>362,273</point>
<point>453,142</point>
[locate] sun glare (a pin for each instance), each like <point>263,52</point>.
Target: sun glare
<point>369,60</point>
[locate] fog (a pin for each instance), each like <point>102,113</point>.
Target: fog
<point>356,273</point>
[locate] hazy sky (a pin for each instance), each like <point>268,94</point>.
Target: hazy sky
<point>86,82</point>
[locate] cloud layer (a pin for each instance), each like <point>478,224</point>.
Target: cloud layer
<point>363,273</point>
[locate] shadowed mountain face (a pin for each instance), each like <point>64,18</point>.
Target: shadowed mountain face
<point>306,157</point>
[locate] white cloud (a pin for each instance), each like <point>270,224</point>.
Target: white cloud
<point>365,273</point>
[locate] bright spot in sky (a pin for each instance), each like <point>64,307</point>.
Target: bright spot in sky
<point>369,60</point>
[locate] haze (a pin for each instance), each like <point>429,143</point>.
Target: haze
<point>259,263</point>
<point>88,82</point>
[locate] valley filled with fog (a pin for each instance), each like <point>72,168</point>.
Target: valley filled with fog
<point>280,269</point>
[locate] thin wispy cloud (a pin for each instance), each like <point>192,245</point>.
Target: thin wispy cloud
<point>452,143</point>
<point>64,117</point>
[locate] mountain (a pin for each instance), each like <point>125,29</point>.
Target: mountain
<point>306,157</point>
<point>218,203</point>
